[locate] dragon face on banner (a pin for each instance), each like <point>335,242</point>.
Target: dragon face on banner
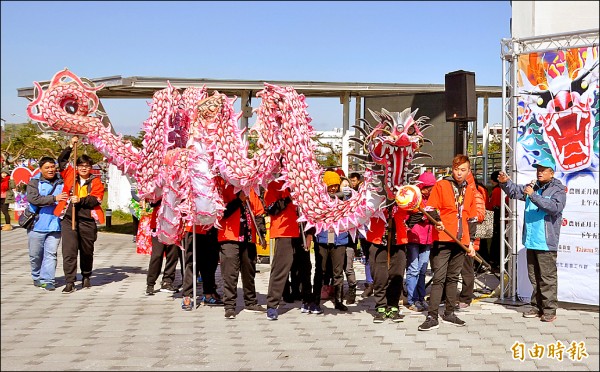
<point>559,103</point>
<point>191,138</point>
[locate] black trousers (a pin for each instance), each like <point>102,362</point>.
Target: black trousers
<point>468,280</point>
<point>207,261</point>
<point>387,282</point>
<point>79,241</point>
<point>4,207</point>
<point>337,254</point>
<point>447,260</point>
<point>159,250</point>
<point>288,252</point>
<point>236,258</point>
<point>541,268</point>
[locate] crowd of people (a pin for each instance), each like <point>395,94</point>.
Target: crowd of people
<point>396,249</point>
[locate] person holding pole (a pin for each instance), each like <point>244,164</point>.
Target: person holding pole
<point>290,247</point>
<point>456,205</point>
<point>545,198</point>
<point>79,223</point>
<point>171,252</point>
<point>242,219</point>
<point>330,245</point>
<point>386,242</point>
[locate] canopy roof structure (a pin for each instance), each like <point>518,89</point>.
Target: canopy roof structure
<point>144,87</point>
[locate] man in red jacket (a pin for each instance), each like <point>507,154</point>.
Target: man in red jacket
<point>242,220</point>
<point>456,205</point>
<point>289,248</point>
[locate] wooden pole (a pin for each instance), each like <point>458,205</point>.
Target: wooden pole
<point>477,256</point>
<point>73,214</point>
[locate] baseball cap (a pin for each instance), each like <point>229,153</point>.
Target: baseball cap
<point>546,163</point>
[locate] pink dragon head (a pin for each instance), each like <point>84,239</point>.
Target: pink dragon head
<point>65,103</point>
<point>392,144</point>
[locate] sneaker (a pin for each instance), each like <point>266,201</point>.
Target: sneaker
<point>229,314</point>
<point>462,306</point>
<point>422,305</point>
<point>272,314</point>
<point>48,287</point>
<point>168,288</point>
<point>414,307</point>
<point>548,318</point>
<point>212,301</point>
<point>315,309</point>
<point>379,315</point>
<point>186,303</point>
<point>7,227</point>
<point>453,319</point>
<point>429,324</point>
<point>37,283</point>
<point>150,290</point>
<point>256,308</point>
<point>305,308</point>
<point>69,288</point>
<point>532,313</point>
<point>394,314</point>
<point>85,284</point>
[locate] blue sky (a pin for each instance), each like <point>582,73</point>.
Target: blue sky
<point>375,42</point>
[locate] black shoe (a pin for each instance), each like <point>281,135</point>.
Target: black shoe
<point>429,324</point>
<point>168,288</point>
<point>453,319</point>
<point>86,283</point>
<point>150,290</point>
<point>379,315</point>
<point>256,308</point>
<point>394,314</point>
<point>229,314</point>
<point>69,288</point>
<point>340,306</point>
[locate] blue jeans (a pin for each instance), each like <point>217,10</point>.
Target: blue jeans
<point>42,255</point>
<point>417,257</point>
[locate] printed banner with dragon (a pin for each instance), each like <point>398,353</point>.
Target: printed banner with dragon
<point>558,121</point>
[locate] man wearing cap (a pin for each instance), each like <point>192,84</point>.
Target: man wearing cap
<point>545,199</point>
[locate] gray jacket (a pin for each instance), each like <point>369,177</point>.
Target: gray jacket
<point>543,213</point>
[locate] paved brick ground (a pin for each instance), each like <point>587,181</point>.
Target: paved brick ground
<point>113,326</point>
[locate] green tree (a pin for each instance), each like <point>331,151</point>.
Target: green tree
<point>27,141</point>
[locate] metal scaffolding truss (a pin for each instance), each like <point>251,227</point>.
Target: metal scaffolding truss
<point>511,50</point>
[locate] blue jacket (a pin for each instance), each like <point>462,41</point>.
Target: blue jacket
<point>342,238</point>
<point>543,213</point>
<point>42,202</point>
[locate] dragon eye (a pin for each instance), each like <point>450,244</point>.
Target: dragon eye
<point>70,106</point>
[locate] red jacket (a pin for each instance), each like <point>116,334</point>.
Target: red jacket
<point>230,226</point>
<point>90,194</point>
<point>283,223</point>
<point>377,229</point>
<point>443,199</point>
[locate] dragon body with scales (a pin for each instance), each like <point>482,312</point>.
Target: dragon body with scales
<point>191,138</point>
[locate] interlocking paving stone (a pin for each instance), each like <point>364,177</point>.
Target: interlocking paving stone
<point>114,326</point>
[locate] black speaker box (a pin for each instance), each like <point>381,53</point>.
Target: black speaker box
<point>461,101</point>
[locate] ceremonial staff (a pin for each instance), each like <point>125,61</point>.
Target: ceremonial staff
<point>73,190</point>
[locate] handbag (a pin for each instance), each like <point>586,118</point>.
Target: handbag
<point>485,229</point>
<point>27,218</point>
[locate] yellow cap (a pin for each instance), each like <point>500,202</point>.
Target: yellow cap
<point>331,178</point>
